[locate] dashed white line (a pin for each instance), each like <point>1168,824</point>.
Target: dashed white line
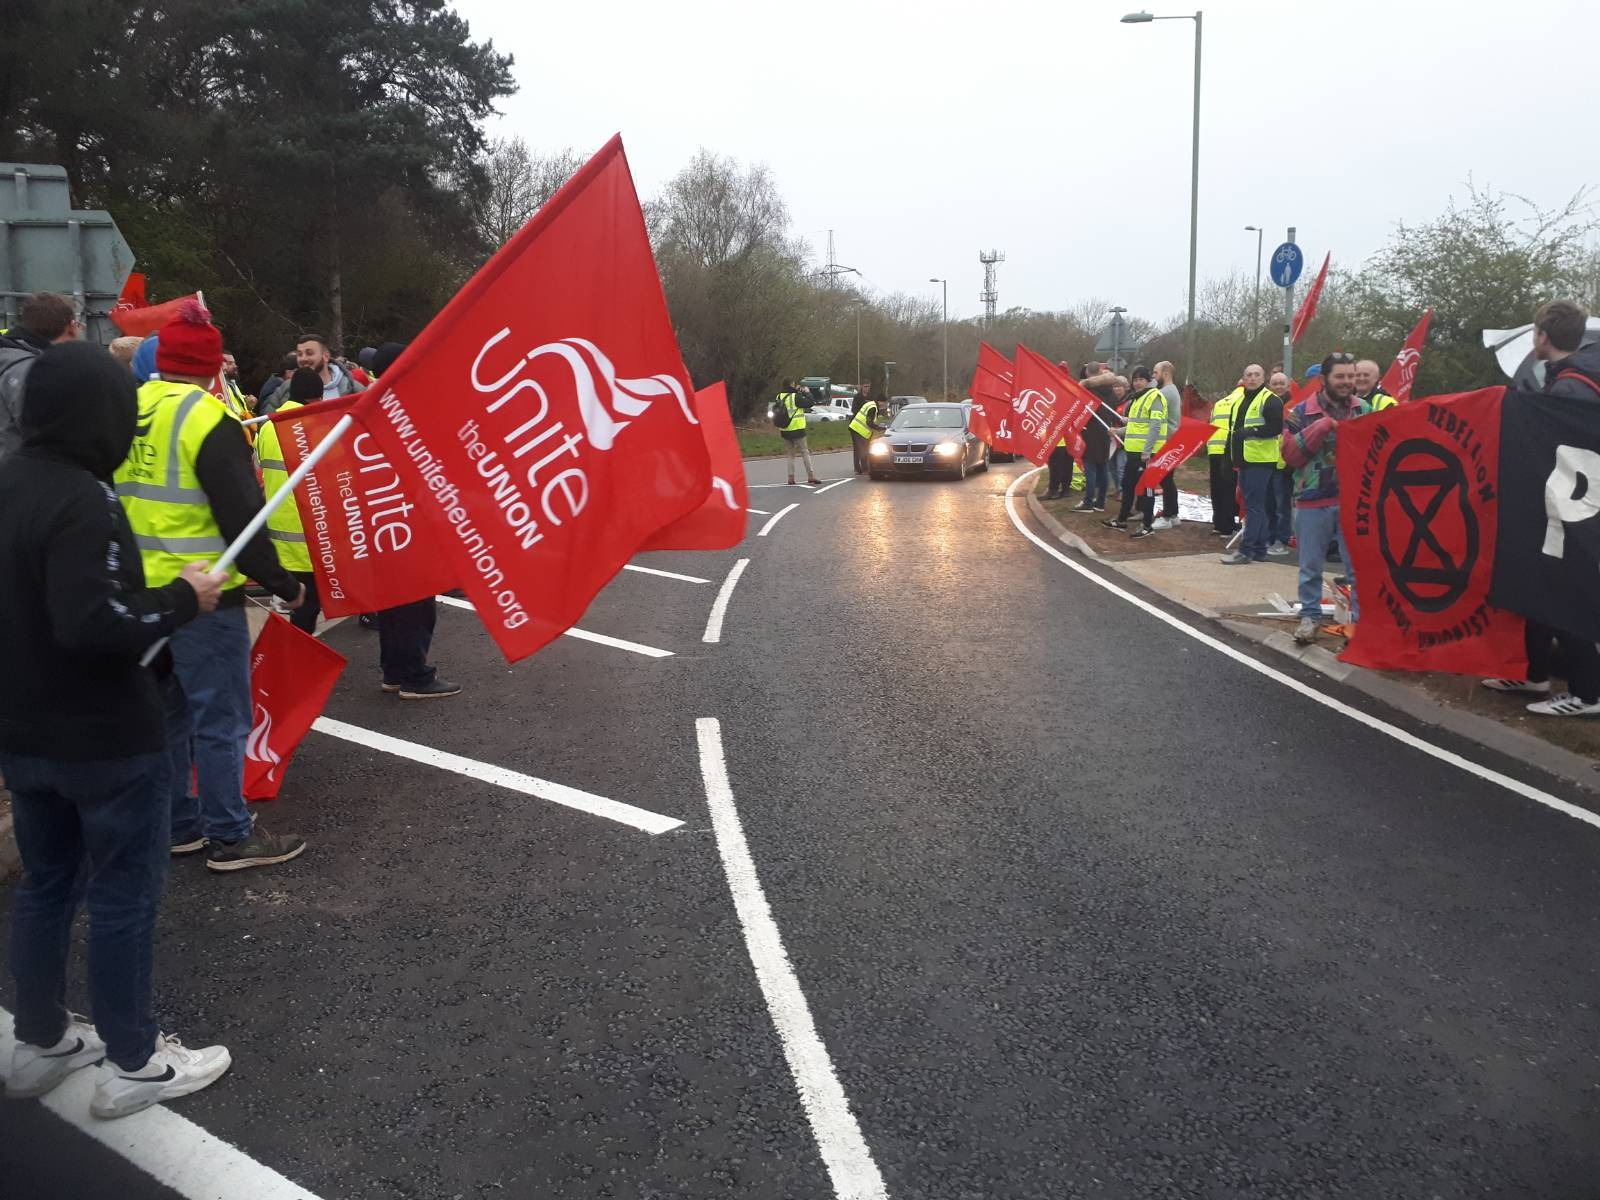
<point>584,635</point>
<point>516,781</point>
<point>172,1150</point>
<point>776,517</point>
<point>830,487</point>
<point>719,609</point>
<point>665,574</point>
<point>1355,714</point>
<point>844,1151</point>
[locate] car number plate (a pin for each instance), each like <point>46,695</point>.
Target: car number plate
<point>908,458</point>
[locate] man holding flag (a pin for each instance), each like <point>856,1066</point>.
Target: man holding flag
<point>1144,436</point>
<point>189,488</point>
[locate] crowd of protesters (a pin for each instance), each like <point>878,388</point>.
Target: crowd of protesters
<point>125,472</point>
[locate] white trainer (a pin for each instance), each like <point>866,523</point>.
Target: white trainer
<point>1564,705</point>
<point>1529,686</point>
<point>35,1070</point>
<point>1162,523</point>
<point>173,1070</point>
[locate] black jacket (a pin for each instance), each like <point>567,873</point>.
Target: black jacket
<point>1576,377</point>
<point>75,616</point>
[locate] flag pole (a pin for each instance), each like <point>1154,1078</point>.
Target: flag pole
<point>259,521</point>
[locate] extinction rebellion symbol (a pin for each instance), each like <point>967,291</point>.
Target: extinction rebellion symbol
<point>1426,526</point>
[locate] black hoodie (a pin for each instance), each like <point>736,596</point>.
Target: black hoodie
<point>75,616</point>
<point>1575,377</point>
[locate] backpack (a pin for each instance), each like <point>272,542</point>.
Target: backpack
<point>14,364</point>
<point>780,415</point>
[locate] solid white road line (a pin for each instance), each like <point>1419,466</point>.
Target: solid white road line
<point>583,634</point>
<point>170,1149</point>
<point>760,512</point>
<point>724,594</point>
<point>844,1151</point>
<point>830,487</point>
<point>778,516</point>
<point>1355,714</point>
<point>665,574</point>
<point>556,793</point>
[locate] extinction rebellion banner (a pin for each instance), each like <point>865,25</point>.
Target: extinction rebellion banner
<point>1421,491</point>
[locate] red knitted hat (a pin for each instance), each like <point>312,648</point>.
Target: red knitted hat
<point>189,344</point>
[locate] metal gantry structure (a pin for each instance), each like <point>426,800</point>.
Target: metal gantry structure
<point>990,296</point>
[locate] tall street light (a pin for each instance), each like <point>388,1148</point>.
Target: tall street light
<point>1255,321</point>
<point>946,285</point>
<point>1143,18</point>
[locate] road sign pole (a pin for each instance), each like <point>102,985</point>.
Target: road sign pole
<point>1288,322</point>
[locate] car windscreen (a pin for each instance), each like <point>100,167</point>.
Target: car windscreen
<point>928,418</point>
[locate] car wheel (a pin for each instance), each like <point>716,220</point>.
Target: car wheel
<point>986,458</point>
<point>961,468</point>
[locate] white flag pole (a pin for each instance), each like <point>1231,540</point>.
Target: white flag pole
<point>258,522</point>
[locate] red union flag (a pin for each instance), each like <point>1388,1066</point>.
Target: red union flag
<point>1420,492</point>
<point>1049,405</point>
<point>369,544</point>
<point>142,322</point>
<point>132,296</point>
<point>291,676</point>
<point>1187,438</point>
<point>1308,307</point>
<point>1402,373</point>
<point>544,420</point>
<point>719,522</point>
<point>992,387</point>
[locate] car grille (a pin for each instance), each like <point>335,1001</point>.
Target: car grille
<point>914,448</point>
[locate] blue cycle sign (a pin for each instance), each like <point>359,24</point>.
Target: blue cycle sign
<point>1287,263</point>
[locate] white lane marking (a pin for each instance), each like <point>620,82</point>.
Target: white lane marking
<point>172,1150</point>
<point>665,574</point>
<point>844,1151</point>
<point>760,512</point>
<point>778,516</point>
<point>583,634</point>
<point>830,487</point>
<point>516,781</point>
<point>724,594</point>
<point>770,485</point>
<point>1311,693</point>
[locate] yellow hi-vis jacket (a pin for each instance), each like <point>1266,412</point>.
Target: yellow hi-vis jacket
<point>1259,449</point>
<point>1222,421</point>
<point>166,506</point>
<point>283,526</point>
<point>1146,430</point>
<point>1380,400</point>
<point>797,416</point>
<point>861,423</point>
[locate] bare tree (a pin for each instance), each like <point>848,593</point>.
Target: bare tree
<point>519,182</point>
<point>713,212</point>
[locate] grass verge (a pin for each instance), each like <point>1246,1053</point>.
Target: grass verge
<point>764,441</point>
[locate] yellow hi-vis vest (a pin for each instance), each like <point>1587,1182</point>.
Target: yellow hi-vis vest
<point>1381,400</point>
<point>1222,421</point>
<point>283,526</point>
<point>1146,430</point>
<point>160,492</point>
<point>797,416</point>
<point>1258,449</point>
<point>861,423</point>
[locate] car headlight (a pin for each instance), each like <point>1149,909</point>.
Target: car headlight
<point>947,448</point>
<point>878,448</point>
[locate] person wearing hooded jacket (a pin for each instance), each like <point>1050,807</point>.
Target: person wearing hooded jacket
<point>82,743</point>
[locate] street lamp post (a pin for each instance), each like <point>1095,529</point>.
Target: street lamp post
<point>887,367</point>
<point>1255,321</point>
<point>1116,339</point>
<point>1142,18</point>
<point>945,283</point>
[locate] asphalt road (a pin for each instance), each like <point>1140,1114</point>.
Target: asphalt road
<point>1079,906</point>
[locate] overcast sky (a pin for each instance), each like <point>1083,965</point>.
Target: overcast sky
<point>922,133</point>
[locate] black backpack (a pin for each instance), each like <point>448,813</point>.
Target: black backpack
<point>780,415</point>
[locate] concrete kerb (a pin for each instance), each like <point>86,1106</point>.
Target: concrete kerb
<point>1524,747</point>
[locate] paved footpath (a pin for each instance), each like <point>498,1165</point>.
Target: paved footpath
<point>922,864</point>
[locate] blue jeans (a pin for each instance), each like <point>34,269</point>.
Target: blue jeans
<point>1318,528</point>
<point>208,722</point>
<point>1280,507</point>
<point>1096,478</point>
<point>1119,461</point>
<point>1254,480</point>
<point>110,817</point>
